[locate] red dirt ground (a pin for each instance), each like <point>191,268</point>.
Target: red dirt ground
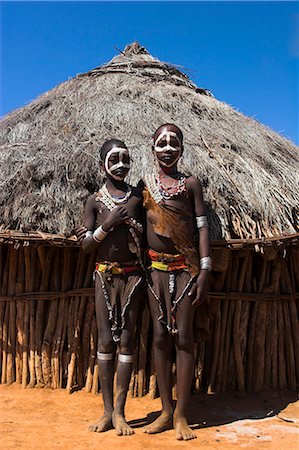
<point>46,419</point>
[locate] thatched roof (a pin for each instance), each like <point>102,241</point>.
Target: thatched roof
<point>49,149</point>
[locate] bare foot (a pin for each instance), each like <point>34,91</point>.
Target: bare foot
<point>183,431</point>
<point>163,423</point>
<point>121,426</point>
<point>104,424</point>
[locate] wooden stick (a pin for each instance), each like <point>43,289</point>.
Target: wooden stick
<point>4,288</point>
<point>236,262</point>
<point>25,345</point>
<point>70,332</point>
<point>57,341</point>
<point>268,345</point>
<point>72,363</point>
<point>216,345</point>
<point>224,314</point>
<point>259,348</point>
<point>237,347</point>
<point>231,310</point>
<point>5,343</point>
<point>242,273</point>
<point>2,315</point>
<point>10,369</point>
<point>247,287</point>
<point>291,369</point>
<point>274,347</point>
<point>282,382</point>
<point>86,331</point>
<point>27,253</point>
<point>95,380</point>
<point>20,306</point>
<point>32,344</point>
<point>250,351</point>
<point>263,271</point>
<point>153,377</point>
<point>47,342</point>
<point>244,330</point>
<point>92,355</point>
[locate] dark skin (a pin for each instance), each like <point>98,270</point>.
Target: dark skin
<point>114,248</point>
<point>184,343</point>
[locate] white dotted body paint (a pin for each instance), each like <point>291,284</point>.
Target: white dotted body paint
<point>121,152</point>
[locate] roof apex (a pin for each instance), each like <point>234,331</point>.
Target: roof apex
<point>135,49</point>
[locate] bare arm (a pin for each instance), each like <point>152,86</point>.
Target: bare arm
<point>199,290</point>
<point>203,232</point>
<point>90,215</point>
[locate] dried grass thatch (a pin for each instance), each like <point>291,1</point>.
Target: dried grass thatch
<point>49,149</point>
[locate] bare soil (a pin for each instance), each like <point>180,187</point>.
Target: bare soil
<point>50,419</point>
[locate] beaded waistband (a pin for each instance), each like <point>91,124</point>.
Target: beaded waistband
<point>167,262</point>
<point>118,268</point>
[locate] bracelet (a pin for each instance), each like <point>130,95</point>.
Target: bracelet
<point>99,234</point>
<point>206,263</point>
<point>202,221</point>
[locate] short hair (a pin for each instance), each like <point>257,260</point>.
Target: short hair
<point>178,130</point>
<point>108,146</point>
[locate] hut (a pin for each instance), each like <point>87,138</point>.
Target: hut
<point>49,165</point>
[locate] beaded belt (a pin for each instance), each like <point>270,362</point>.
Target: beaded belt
<point>117,269</point>
<point>167,262</point>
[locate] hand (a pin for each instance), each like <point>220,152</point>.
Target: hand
<point>117,216</point>
<point>80,233</point>
<point>198,291</point>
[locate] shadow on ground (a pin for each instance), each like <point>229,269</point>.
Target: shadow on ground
<point>221,409</point>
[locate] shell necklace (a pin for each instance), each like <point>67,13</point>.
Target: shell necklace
<point>109,201</point>
<point>135,227</point>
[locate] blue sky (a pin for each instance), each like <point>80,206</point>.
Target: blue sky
<point>246,53</point>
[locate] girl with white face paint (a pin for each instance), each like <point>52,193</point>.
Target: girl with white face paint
<point>179,273</point>
<point>168,148</point>
<point>113,230</point>
<point>117,163</point>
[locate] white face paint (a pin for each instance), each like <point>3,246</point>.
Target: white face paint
<point>177,148</point>
<point>120,151</point>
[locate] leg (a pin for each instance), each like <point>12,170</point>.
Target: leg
<point>162,355</point>
<point>106,347</point>
<point>185,367</point>
<point>125,358</point>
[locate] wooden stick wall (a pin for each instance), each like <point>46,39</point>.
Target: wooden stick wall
<point>51,340</point>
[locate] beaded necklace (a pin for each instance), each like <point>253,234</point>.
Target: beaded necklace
<point>176,188</point>
<point>160,192</point>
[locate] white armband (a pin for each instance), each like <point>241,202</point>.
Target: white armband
<point>202,221</point>
<point>206,263</point>
<point>99,234</point>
